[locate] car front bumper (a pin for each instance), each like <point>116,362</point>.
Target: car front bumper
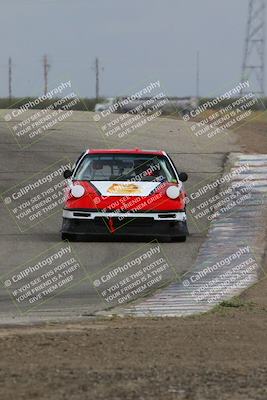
<point>159,224</point>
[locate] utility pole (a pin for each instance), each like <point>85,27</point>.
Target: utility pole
<point>96,69</point>
<point>96,78</point>
<point>10,79</point>
<point>197,76</point>
<point>253,68</point>
<point>46,68</point>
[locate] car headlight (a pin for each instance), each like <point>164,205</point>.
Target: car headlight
<point>77,191</point>
<point>173,192</point>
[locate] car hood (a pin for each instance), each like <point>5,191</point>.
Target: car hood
<point>94,197</point>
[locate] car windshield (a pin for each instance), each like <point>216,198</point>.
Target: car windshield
<point>125,167</point>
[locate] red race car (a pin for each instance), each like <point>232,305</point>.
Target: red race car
<point>125,193</point>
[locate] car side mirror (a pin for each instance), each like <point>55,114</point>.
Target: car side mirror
<point>183,176</point>
<point>67,173</point>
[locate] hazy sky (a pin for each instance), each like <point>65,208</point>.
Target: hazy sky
<point>135,40</point>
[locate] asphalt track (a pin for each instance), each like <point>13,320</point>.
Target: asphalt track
<point>198,157</point>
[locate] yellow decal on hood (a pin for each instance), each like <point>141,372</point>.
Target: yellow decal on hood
<point>124,188</point>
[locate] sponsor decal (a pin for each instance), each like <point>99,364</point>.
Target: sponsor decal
<point>121,188</point>
<point>124,188</point>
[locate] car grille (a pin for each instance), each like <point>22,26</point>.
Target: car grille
<point>144,221</point>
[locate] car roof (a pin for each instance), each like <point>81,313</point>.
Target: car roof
<point>125,151</point>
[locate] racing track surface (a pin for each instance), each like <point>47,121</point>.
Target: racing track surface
<point>193,155</point>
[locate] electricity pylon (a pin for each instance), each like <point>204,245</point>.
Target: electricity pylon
<point>253,68</point>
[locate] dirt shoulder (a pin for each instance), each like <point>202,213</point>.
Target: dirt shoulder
<point>219,355</point>
<point>253,134</point>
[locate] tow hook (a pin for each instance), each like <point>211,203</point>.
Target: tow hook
<point>111,225</point>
